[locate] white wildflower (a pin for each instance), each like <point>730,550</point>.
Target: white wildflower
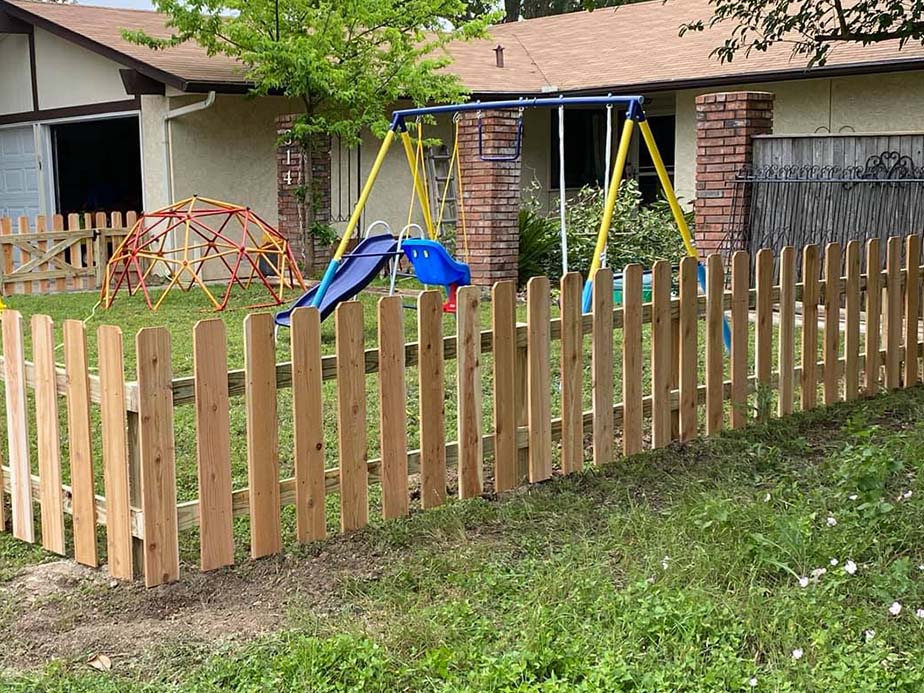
<point>833,561</point>
<point>850,567</point>
<point>752,682</point>
<point>852,496</point>
<point>818,572</point>
<point>906,495</point>
<point>895,609</point>
<point>869,634</point>
<point>919,613</point>
<point>766,500</point>
<point>665,562</point>
<point>797,653</point>
<point>831,522</point>
<point>803,581</point>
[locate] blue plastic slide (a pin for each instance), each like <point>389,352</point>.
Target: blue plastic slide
<point>357,269</point>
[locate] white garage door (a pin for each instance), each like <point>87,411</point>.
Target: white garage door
<point>19,194</point>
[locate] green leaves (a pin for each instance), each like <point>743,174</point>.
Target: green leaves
<point>346,61</point>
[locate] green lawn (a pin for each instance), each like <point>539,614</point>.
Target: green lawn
<point>677,570</point>
<point>179,314</point>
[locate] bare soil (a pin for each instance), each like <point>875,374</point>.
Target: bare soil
<point>63,610</point>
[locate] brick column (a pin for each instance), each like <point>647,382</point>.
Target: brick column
<point>491,193</point>
<point>725,124</point>
<point>290,177</point>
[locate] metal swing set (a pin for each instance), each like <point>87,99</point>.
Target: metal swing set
<point>433,265</point>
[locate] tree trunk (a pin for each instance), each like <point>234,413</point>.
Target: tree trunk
<point>511,10</point>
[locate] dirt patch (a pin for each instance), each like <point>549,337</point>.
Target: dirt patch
<point>62,610</point>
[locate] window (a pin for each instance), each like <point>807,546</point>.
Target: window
<point>662,127</point>
<point>585,147</point>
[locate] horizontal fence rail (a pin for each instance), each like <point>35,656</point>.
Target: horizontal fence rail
<point>545,391</point>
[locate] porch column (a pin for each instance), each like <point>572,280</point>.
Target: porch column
<point>290,193</point>
<point>491,194</point>
<point>725,124</point>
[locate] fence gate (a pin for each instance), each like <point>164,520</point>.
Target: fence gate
<point>828,189</point>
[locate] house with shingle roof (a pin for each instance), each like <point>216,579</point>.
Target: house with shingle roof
<point>89,121</point>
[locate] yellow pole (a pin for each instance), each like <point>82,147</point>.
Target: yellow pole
<point>621,155</point>
<point>364,195</point>
<point>668,188</point>
<point>418,183</point>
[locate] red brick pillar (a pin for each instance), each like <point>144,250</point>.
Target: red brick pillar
<point>725,124</point>
<point>290,182</point>
<point>491,194</point>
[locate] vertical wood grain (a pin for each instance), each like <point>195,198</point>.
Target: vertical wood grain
<point>572,374</point>
<point>432,404</point>
<point>262,435</point>
<point>468,380</point>
<point>47,435</point>
<point>602,366</point>
<point>351,417</point>
<point>715,349</point>
<point>392,407</point>
<point>632,360</point>
<point>893,313</point>
<point>540,405</point>
<point>809,326</point>
<point>912,308</point>
<point>832,321</point>
<point>852,321</point>
<point>787,329</point>
<point>661,362</point>
<point>873,360</point>
<point>17,424</point>
<point>308,425</point>
<point>740,286</point>
<point>503,334</point>
<point>213,444</point>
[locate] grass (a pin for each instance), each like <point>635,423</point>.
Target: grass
<point>179,314</point>
<point>674,570</point>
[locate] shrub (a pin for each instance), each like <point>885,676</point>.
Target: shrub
<point>638,233</point>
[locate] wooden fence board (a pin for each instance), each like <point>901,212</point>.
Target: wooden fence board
<point>787,331</point>
<point>213,444</point>
<point>351,417</point>
<point>47,434</point>
<point>715,349</point>
<point>115,453</point>
<point>572,374</point>
<point>809,326</point>
<point>602,366</point>
<point>852,321</point>
<point>893,313</point>
<point>80,442</point>
<point>632,359</point>
<point>157,456</point>
<point>17,425</point>
<point>432,404</point>
<point>873,321</point>
<point>393,407</point>
<point>740,282</point>
<point>912,307</point>
<point>763,329</point>
<point>540,398</point>
<point>689,351</point>
<point>308,425</point>
<point>503,330</point>
<point>832,321</point>
<point>661,361</point>
<point>468,380</point>
<point>262,435</point>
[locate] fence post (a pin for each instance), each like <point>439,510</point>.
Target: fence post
<point>506,404</point>
<point>17,424</point>
<point>787,328</point>
<point>661,354</point>
<point>572,374</point>
<point>832,323</point>
<point>809,383</point>
<point>631,360</point>
<point>468,393</point>
<point>602,366</point>
<point>715,348</point>
<point>873,363</point>
<point>912,308</point>
<point>741,289</point>
<point>893,313</point>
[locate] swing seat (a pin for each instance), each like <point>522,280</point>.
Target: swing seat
<point>433,265</point>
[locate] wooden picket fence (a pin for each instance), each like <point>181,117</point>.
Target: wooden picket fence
<point>805,339</point>
<point>49,257</point>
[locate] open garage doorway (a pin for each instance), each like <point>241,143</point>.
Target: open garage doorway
<point>97,165</point>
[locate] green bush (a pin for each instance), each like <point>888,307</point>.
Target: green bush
<point>641,234</point>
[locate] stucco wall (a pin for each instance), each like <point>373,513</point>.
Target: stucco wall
<point>69,75</point>
<point>872,103</point>
<point>16,93</point>
<point>225,152</point>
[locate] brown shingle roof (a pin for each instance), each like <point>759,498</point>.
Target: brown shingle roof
<point>633,48</point>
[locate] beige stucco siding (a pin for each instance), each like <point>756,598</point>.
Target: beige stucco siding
<point>226,152</point>
<point>69,75</point>
<point>871,103</point>
<point>16,92</point>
